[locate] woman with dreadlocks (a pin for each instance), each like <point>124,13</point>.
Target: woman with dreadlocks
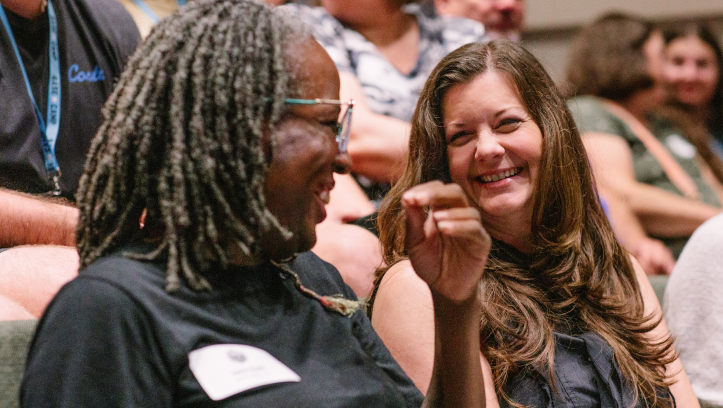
<point>569,319</point>
<point>222,137</point>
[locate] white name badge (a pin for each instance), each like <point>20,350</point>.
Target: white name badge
<point>227,369</point>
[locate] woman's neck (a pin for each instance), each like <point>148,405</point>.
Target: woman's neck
<point>396,36</point>
<point>702,114</point>
<point>388,26</point>
<point>515,231</point>
<point>639,108</point>
<point>29,9</point>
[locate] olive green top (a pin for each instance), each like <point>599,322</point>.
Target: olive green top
<point>591,115</point>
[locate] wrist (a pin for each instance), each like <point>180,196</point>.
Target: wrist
<point>458,314</point>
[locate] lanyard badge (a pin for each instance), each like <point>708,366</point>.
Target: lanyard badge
<point>50,126</point>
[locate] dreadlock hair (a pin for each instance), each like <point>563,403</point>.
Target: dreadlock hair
<point>183,140</point>
<point>578,278</point>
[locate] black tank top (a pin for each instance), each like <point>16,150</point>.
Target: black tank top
<point>586,376</point>
<point>586,373</point>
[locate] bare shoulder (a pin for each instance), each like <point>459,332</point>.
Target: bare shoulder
<point>650,300</point>
<point>403,317</point>
<point>401,289</point>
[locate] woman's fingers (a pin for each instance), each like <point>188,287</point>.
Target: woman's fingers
<point>446,242</point>
<point>451,214</point>
<point>416,218</point>
<point>461,229</point>
<point>435,195</point>
<point>432,197</point>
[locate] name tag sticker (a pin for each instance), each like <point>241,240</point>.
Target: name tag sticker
<point>227,369</point>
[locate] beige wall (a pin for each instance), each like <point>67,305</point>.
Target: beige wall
<point>545,14</point>
<point>551,24</point>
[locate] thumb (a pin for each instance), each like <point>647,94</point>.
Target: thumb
<point>415,218</point>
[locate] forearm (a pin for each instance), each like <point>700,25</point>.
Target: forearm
<point>378,145</point>
<point>665,214</point>
<point>457,379</point>
<point>28,220</point>
<point>627,226</point>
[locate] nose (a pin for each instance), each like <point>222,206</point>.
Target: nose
<point>342,163</point>
<point>488,147</point>
<point>689,72</point>
<point>506,5</point>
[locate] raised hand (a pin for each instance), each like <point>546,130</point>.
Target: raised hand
<point>445,240</point>
<point>654,256</point>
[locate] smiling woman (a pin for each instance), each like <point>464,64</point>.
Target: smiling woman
<point>493,149</point>
<point>693,64</point>
<point>565,310</point>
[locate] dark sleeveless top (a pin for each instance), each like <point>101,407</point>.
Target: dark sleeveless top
<point>586,374</point>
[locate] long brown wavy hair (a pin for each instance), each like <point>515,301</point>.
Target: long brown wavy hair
<point>579,279</point>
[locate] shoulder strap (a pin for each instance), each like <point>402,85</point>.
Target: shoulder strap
<point>675,173</point>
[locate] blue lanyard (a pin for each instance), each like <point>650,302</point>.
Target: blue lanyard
<point>49,132</point>
<point>148,12</point>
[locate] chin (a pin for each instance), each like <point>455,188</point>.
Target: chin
<point>503,207</point>
<point>305,240</point>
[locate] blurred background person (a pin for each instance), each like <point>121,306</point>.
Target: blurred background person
<point>59,61</point>
<point>384,50</point>
<point>501,18</point>
<point>694,311</point>
<point>642,161</point>
<point>692,70</point>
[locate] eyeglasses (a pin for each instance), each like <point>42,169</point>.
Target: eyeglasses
<point>343,126</point>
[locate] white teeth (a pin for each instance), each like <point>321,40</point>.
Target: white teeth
<point>325,197</point>
<point>502,175</point>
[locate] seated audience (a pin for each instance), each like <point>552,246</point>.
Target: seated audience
<point>568,317</point>
<point>203,184</point>
<point>694,311</point>
<point>52,93</point>
<point>384,51</point>
<point>501,18</point>
<point>643,157</point>
<point>692,70</point>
